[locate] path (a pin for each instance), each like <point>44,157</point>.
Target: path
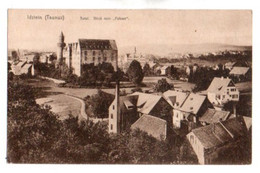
<point>83,106</point>
<point>83,110</point>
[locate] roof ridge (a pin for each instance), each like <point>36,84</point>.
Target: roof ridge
<point>232,136</point>
<point>184,100</point>
<point>154,117</point>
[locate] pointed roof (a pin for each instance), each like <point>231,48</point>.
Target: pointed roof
<point>219,84</point>
<point>248,122</point>
<point>193,103</point>
<point>154,126</point>
<point>220,133</point>
<point>175,98</point>
<point>146,102</point>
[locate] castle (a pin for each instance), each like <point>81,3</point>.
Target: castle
<point>86,51</point>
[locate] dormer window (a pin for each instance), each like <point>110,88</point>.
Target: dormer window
<point>128,104</point>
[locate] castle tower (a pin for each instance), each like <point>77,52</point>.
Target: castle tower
<point>60,46</point>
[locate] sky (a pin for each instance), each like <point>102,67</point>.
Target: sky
<point>164,27</point>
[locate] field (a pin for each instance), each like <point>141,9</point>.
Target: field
<point>149,81</point>
<point>57,97</point>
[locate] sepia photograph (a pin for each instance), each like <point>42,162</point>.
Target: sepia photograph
<point>140,86</point>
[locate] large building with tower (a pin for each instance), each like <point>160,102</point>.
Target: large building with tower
<point>86,51</point>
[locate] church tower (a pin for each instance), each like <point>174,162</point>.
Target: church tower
<point>60,47</point>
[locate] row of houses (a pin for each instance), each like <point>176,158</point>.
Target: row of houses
<point>162,115</point>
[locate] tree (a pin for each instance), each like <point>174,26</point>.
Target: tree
<point>147,70</point>
<point>135,73</point>
<point>100,103</point>
<point>162,86</point>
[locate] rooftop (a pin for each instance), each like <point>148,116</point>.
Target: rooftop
<point>154,126</point>
<point>214,116</point>
<point>220,133</point>
<point>239,71</point>
<point>219,84</point>
<point>97,44</point>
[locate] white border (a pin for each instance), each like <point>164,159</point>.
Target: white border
<point>128,4</point>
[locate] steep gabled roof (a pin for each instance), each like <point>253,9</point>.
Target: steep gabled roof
<point>154,126</point>
<point>217,134</point>
<point>218,84</point>
<point>97,44</point>
<point>239,71</point>
<point>193,103</point>
<point>248,122</point>
<point>146,102</point>
<point>175,98</point>
<point>214,116</point>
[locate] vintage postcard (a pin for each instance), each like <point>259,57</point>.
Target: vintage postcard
<point>129,86</point>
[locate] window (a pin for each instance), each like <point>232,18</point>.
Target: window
<point>99,59</point>
<point>223,96</point>
<point>94,53</point>
<point>111,116</point>
<point>177,115</point>
<point>111,126</point>
<point>234,96</point>
<point>93,59</point>
<point>105,59</point>
<point>233,89</point>
<point>86,55</point>
<point>113,107</point>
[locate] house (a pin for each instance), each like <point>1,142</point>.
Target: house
<point>187,115</point>
<point>213,116</point>
<point>186,107</point>
<point>17,66</point>
<point>240,73</point>
<point>188,70</point>
<point>222,90</point>
<point>229,65</point>
<point>134,106</point>
<point>208,142</point>
<point>22,67</point>
<point>164,70</point>
<point>175,98</point>
<point>154,126</point>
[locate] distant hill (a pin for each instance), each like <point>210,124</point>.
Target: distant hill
<point>177,49</point>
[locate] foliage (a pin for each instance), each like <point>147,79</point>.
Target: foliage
<point>147,70</point>
<point>100,103</point>
<point>35,135</point>
<point>135,73</point>
<point>162,86</point>
<point>203,76</point>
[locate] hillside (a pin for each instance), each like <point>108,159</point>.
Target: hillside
<point>179,49</point>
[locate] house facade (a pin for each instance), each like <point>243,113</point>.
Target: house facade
<point>186,107</point>
<point>221,91</point>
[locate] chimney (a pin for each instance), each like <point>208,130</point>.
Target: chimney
<point>235,109</point>
<point>117,102</point>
